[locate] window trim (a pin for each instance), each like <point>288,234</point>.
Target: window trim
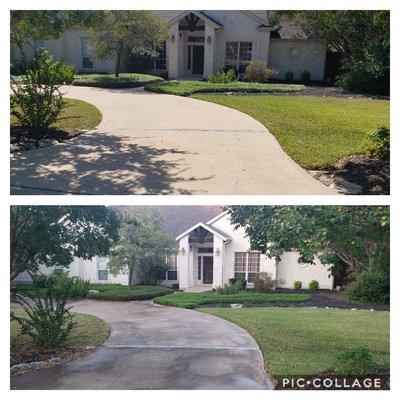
<point>247,270</point>
<point>238,44</point>
<point>162,59</point>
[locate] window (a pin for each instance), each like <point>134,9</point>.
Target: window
<point>189,58</point>
<point>238,55</point>
<point>247,265</point>
<point>195,39</point>
<point>199,268</point>
<point>205,250</point>
<point>172,275</point>
<point>103,275</point>
<point>87,61</point>
<point>161,59</point>
<point>172,261</point>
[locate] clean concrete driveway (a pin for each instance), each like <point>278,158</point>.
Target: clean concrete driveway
<point>162,144</point>
<point>157,347</point>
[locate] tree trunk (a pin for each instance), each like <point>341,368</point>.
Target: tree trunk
<point>130,279</point>
<point>119,56</point>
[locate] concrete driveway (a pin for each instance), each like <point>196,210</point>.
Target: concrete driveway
<point>157,347</point>
<point>162,144</point>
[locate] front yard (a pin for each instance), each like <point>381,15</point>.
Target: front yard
<point>304,341</point>
<point>315,131</point>
<point>194,300</point>
<point>90,332</point>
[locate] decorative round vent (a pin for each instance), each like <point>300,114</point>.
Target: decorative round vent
<point>294,52</point>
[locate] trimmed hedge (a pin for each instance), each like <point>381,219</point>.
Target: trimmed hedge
<point>193,300</point>
<point>186,88</point>
<point>135,293</point>
<point>125,80</point>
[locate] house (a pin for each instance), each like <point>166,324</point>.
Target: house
<point>200,43</point>
<point>210,252</point>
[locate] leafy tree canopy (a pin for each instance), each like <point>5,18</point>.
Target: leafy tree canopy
<point>357,235</point>
<point>55,235</point>
<point>142,249</point>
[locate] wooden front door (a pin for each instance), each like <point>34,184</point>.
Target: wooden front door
<point>207,270</point>
<point>198,60</point>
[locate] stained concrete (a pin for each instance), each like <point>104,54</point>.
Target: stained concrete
<point>157,347</point>
<point>162,144</point>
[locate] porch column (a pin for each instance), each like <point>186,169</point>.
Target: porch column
<point>183,263</point>
<point>173,51</point>
<point>209,50</point>
<point>219,255</point>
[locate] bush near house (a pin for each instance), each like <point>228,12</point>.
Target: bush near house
<point>297,285</point>
<point>313,286</point>
<point>124,80</point>
<point>257,71</point>
<point>126,294</point>
<point>193,300</point>
<point>223,77</point>
<point>380,139</point>
<point>186,88</point>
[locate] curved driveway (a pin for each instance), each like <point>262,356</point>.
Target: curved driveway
<point>157,347</point>
<point>162,144</point>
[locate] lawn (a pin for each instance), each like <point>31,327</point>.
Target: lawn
<point>305,340</point>
<point>194,300</point>
<point>90,331</point>
<point>76,116</point>
<point>122,293</point>
<point>186,88</point>
<point>315,131</point>
<point>125,80</point>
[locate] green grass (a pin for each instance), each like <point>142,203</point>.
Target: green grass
<point>125,80</point>
<point>90,331</point>
<point>77,115</point>
<point>135,293</point>
<point>304,341</point>
<point>194,300</point>
<point>315,131</point>
<point>186,88</point>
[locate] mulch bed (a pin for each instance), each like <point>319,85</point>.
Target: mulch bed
<point>369,172</point>
<point>23,354</point>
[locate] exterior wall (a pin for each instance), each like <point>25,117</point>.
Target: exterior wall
<point>238,27</point>
<point>289,270</point>
<point>310,57</point>
<point>184,262</point>
<point>68,49</point>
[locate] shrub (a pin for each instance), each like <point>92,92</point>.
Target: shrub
<point>297,285</point>
<point>37,104</point>
<point>135,293</point>
<point>235,286</point>
<point>355,362</point>
<point>289,76</point>
<point>242,282</point>
<point>257,71</point>
<point>79,287</point>
<point>373,287</point>
<point>380,139</point>
<point>264,283</point>
<point>48,321</point>
<point>313,286</point>
<point>223,77</point>
<point>305,77</point>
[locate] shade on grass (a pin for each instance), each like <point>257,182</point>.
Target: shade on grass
<point>77,115</point>
<point>193,300</point>
<point>123,293</point>
<point>305,340</point>
<point>186,88</point>
<point>89,331</point>
<point>315,131</point>
<point>124,80</point>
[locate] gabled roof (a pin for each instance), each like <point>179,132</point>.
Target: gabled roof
<point>214,231</point>
<point>216,218</point>
<point>215,24</point>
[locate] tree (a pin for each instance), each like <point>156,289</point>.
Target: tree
<point>28,25</point>
<point>55,235</point>
<point>142,249</point>
<point>126,32</point>
<point>361,36</point>
<point>358,236</point>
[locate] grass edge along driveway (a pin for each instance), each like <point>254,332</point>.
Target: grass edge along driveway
<point>315,131</point>
<point>304,341</point>
<point>194,300</point>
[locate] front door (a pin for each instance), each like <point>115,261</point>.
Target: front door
<point>198,60</point>
<point>207,270</point>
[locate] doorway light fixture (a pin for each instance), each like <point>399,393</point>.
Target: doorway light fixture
<point>183,251</point>
<point>217,252</point>
<point>208,39</point>
<point>172,38</point>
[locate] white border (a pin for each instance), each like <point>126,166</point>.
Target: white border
<point>393,200</point>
